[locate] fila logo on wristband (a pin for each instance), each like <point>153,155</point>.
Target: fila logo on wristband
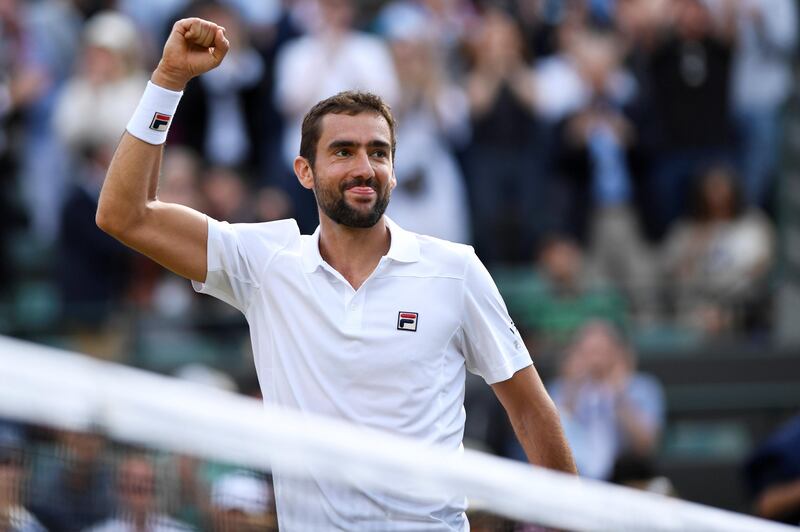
<point>160,122</point>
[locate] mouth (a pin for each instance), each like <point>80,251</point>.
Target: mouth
<point>361,191</point>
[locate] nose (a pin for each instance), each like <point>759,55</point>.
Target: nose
<point>362,166</point>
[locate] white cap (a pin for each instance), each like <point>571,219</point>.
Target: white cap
<point>241,490</point>
<point>111,30</point>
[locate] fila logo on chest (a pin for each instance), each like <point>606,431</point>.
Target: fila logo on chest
<point>407,321</point>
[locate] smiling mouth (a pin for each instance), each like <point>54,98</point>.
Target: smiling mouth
<point>361,190</point>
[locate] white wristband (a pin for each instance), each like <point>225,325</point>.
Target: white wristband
<point>152,118</point>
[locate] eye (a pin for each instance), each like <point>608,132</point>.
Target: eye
<point>380,153</point>
<point>344,152</point>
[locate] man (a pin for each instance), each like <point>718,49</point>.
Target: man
<point>362,320</point>
<point>14,516</point>
<point>137,501</point>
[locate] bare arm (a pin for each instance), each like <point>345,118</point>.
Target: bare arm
<point>777,500</point>
<point>173,235</point>
<point>535,420</point>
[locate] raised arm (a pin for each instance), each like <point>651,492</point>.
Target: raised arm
<point>535,420</point>
<point>173,235</point>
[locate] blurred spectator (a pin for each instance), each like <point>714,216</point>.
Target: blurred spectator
<point>93,269</point>
<point>137,501</point>
<point>446,21</point>
<point>430,197</point>
<point>38,45</point>
<point>766,45</point>
<point>586,67</point>
<point>22,82</point>
<point>231,97</point>
<point>332,58</point>
<point>429,97</point>
<point>772,473</point>
<point>226,195</point>
<point>272,203</point>
<point>598,156</point>
<point>152,18</point>
<point>242,502</point>
<point>505,177</point>
<point>179,183</point>
<point>14,517</point>
<point>186,492</point>
<point>567,294</point>
<point>96,103</point>
<point>717,260</point>
<point>540,21</point>
<point>690,72</point>
<point>608,409</point>
<point>72,486</point>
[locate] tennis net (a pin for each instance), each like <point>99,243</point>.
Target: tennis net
<point>201,458</point>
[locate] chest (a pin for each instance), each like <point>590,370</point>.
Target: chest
<point>394,326</point>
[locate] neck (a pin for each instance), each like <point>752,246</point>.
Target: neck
<point>353,252</point>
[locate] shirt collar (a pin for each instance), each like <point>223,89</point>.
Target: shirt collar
<point>404,247</point>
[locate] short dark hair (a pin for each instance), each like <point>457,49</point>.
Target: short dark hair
<point>346,103</point>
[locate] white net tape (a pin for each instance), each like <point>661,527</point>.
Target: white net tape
<point>64,390</point>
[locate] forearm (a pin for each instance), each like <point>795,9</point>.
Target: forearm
<point>539,431</point>
<point>132,178</point>
<point>130,184</point>
<point>778,500</point>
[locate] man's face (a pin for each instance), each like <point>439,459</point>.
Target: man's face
<point>353,172</point>
<point>137,486</point>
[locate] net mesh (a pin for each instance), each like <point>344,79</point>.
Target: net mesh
<point>90,445</point>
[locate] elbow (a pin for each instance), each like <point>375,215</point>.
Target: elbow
<point>104,220</point>
<point>114,221</point>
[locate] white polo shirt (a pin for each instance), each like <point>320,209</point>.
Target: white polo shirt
<point>391,355</point>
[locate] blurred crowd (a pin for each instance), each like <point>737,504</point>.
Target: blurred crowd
<point>65,481</point>
<point>607,158</point>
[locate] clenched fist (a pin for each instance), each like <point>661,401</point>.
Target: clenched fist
<point>194,47</point>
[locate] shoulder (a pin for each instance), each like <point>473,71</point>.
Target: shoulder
<point>257,243</point>
<point>279,231</point>
<point>445,258</point>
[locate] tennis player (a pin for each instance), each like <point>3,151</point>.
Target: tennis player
<point>361,320</point>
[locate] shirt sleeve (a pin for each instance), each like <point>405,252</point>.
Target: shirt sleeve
<point>238,254</point>
<point>493,348</point>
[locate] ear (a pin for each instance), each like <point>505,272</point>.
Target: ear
<point>304,173</point>
<point>393,180</point>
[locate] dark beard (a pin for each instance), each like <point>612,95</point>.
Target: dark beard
<point>336,208</point>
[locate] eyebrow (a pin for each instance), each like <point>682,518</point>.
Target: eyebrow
<point>336,144</point>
